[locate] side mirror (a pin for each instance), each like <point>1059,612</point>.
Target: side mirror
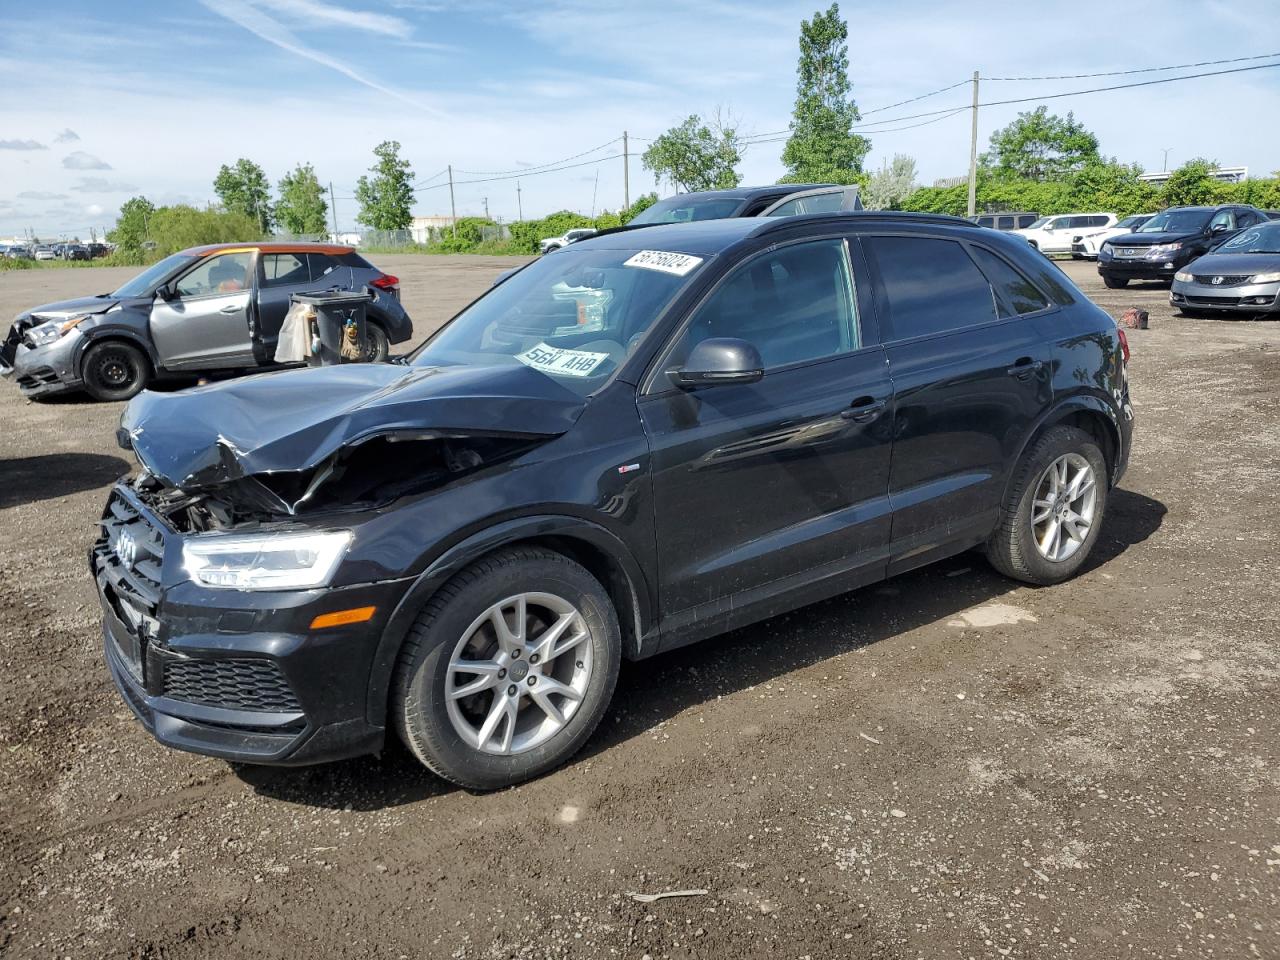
<point>1218,228</point>
<point>719,360</point>
<point>165,292</point>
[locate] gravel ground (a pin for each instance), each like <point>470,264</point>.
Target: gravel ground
<point>946,765</point>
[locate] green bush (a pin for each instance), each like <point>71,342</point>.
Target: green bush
<point>7,264</point>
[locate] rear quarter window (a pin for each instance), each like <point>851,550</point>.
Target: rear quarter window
<point>1017,294</point>
<point>353,259</point>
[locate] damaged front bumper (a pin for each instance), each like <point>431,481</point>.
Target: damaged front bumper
<point>39,371</point>
<point>232,673</point>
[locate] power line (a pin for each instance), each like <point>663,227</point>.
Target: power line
<point>526,173</point>
<point>434,176</point>
<point>910,126</point>
<point>538,166</point>
<point>923,96</point>
<point>1123,73</point>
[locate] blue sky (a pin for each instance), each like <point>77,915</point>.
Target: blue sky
<point>105,101</point>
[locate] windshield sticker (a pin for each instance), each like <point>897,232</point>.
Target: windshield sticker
<point>676,263</point>
<point>562,363</point>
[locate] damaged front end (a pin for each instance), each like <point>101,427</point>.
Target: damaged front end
<point>280,446</point>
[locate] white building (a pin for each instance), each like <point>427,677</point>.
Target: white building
<point>421,227</point>
<point>1225,174</point>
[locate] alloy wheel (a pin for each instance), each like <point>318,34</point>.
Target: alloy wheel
<point>1063,507</point>
<point>519,673</point>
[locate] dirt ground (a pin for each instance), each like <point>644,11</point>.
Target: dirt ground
<point>948,765</point>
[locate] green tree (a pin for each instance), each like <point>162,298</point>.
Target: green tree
<point>1040,145</point>
<point>301,208</point>
<point>244,189</point>
<point>1191,184</point>
<point>386,198</point>
<point>823,146</point>
<point>696,155</point>
<point>133,225</point>
<point>638,206</point>
<point>889,186</point>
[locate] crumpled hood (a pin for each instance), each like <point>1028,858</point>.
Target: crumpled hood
<point>294,420</point>
<point>1235,264</point>
<point>72,308</point>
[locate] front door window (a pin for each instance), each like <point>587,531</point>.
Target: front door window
<point>225,273</point>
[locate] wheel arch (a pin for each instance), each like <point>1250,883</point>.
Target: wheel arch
<point>127,335</point>
<point>1085,412</point>
<point>598,550</point>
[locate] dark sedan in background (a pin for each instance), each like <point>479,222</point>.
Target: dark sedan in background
<point>1239,276</point>
<point>208,308</point>
<point>1169,241</point>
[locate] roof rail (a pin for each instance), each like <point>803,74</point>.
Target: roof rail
<point>895,215</point>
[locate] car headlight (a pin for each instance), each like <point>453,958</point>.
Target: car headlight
<point>1265,277</point>
<point>1182,275</point>
<point>53,331</point>
<point>267,561</point>
<point>1164,249</point>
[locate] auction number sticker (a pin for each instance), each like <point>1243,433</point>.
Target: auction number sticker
<point>676,263</point>
<point>562,363</point>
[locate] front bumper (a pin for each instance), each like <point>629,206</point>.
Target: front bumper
<point>1244,298</point>
<point>1138,269</point>
<point>39,371</point>
<point>234,674</point>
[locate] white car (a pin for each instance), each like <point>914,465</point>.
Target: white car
<point>45,253</point>
<point>1054,234</point>
<point>1085,246</point>
<point>569,236</point>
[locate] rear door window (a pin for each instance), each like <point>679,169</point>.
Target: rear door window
<point>1004,223</point>
<point>321,265</point>
<point>1017,294</point>
<point>929,285</point>
<point>1026,220</point>
<point>284,269</point>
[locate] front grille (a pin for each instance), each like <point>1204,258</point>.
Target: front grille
<point>1223,280</point>
<point>239,684</point>
<point>1214,301</point>
<point>130,541</point>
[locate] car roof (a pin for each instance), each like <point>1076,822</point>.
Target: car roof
<point>270,246</point>
<point>750,193</point>
<point>709,237</point>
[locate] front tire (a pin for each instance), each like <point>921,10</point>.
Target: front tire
<point>1054,510</point>
<point>114,370</point>
<point>377,344</point>
<point>508,670</point>
<point>1115,283</point>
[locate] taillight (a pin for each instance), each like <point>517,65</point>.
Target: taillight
<point>1124,343</point>
<point>386,282</point>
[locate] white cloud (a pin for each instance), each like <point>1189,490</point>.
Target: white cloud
<point>41,195</point>
<point>67,136</point>
<point>79,160</point>
<point>95,209</point>
<point>21,145</point>
<point>313,13</point>
<point>102,185</point>
<point>258,23</point>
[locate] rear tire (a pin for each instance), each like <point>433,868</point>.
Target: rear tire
<point>377,344</point>
<point>114,371</point>
<point>1115,283</point>
<point>1054,510</point>
<point>453,735</point>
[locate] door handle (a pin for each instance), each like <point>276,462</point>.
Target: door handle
<point>231,308</point>
<point>863,410</point>
<point>1025,368</point>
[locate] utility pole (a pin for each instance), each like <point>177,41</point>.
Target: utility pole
<point>1165,167</point>
<point>453,210</point>
<point>519,205</point>
<point>973,152</point>
<point>593,194</point>
<point>626,174</point>
<point>333,208</point>
<point>486,208</point>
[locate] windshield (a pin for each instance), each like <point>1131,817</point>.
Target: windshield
<point>1176,221</point>
<point>1261,239</point>
<point>1036,224</point>
<point>145,283</point>
<point>573,317</point>
<point>682,209</point>
<point>1134,222</point>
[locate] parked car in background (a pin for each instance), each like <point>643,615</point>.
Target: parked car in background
<point>97,250</point>
<point>760,414</point>
<point>1014,220</point>
<point>1272,214</point>
<point>1054,234</point>
<point>1239,276</point>
<point>19,252</point>
<point>1169,241</point>
<point>566,238</point>
<point>1085,246</point>
<point>209,308</point>
<point>722,204</point>
<point>817,200</point>
<point>45,253</point>
<point>75,251</point>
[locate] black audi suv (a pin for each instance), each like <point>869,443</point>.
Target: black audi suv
<point>651,437</point>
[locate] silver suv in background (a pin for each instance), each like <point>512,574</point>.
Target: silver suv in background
<point>1005,221</point>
